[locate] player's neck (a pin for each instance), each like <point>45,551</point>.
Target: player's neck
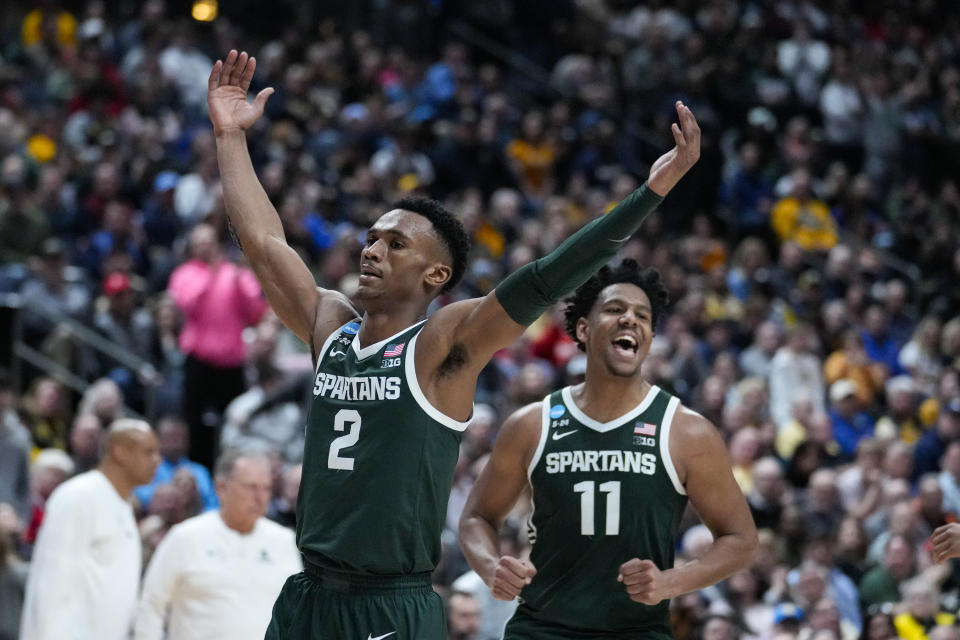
<point>606,398</point>
<point>379,325</point>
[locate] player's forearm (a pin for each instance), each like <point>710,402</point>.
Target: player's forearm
<point>250,211</point>
<point>478,541</point>
<point>726,556</point>
<point>534,288</point>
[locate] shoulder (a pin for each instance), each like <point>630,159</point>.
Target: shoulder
<point>334,310</point>
<point>277,532</point>
<point>693,434</point>
<point>527,418</point>
<point>520,433</point>
<point>67,493</point>
<point>193,527</point>
<point>84,484</point>
<point>84,493</point>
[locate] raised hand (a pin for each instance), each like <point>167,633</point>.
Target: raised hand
<point>644,581</point>
<point>227,94</point>
<point>946,542</point>
<point>509,577</point>
<point>671,166</point>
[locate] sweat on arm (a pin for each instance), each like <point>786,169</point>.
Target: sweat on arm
<point>535,287</point>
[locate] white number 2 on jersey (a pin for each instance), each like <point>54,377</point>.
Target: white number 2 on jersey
<point>586,491</point>
<point>340,422</point>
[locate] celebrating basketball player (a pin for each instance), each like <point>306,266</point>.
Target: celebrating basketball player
<point>611,463</point>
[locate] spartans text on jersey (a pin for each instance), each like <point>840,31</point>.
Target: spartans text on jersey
<point>356,388</point>
<point>627,461</point>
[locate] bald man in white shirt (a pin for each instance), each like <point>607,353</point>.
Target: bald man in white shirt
<point>85,573</point>
<point>217,575</point>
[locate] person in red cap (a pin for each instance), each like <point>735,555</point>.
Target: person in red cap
<point>122,321</point>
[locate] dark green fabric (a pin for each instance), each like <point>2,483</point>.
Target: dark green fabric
<point>529,291</point>
<point>304,610</point>
<point>525,627</point>
<point>877,587</point>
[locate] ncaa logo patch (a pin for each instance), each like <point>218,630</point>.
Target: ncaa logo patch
<point>557,410</point>
<point>351,329</point>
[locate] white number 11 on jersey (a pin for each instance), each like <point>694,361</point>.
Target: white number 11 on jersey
<point>586,491</point>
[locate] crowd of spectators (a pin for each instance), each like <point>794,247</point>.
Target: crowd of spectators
<point>811,256</point>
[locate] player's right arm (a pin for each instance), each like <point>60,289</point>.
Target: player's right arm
<point>311,312</point>
<point>493,496</point>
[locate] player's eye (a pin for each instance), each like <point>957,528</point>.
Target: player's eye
<point>396,245</point>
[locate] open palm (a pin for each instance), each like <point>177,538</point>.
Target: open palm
<point>227,94</point>
<point>671,166</point>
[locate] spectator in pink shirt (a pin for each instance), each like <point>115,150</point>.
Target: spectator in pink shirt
<point>218,299</point>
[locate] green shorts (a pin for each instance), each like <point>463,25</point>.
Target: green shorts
<point>325,605</point>
<point>524,626</point>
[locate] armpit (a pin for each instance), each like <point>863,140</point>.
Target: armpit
<point>455,360</point>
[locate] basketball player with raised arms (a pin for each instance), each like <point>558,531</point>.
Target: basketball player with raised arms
<point>393,389</point>
<point>611,463</point>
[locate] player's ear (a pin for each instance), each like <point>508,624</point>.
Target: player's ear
<point>438,275</point>
<point>583,329</point>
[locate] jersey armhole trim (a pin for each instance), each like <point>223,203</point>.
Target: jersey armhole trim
<point>326,345</point>
<point>665,428</point>
<point>544,430</point>
<point>410,371</point>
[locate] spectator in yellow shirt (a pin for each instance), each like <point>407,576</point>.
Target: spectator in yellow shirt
<point>531,157</point>
<point>802,218</point>
<point>923,611</point>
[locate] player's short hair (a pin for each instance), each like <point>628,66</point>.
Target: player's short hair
<point>448,227</point>
<point>629,271</point>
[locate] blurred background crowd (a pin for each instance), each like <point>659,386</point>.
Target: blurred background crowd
<point>812,256</point>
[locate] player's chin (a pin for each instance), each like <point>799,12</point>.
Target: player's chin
<point>623,369</point>
<point>367,292</point>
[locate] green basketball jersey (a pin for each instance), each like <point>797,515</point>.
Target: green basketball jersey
<point>603,493</point>
<point>378,460</point>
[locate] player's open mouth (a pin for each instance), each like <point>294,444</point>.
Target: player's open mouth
<point>369,272</point>
<point>625,345</point>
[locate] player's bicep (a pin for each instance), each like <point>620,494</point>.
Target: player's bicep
<point>709,480</point>
<point>480,326</point>
<point>504,477</point>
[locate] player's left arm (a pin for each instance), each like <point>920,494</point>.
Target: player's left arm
<point>703,466</point>
<point>479,328</point>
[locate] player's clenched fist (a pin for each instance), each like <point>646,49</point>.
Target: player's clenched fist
<point>509,577</point>
<point>644,581</point>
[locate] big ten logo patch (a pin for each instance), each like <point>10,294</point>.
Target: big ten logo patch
<point>390,362</point>
<point>644,441</point>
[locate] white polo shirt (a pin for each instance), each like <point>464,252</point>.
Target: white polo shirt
<point>85,573</point>
<point>208,581</point>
